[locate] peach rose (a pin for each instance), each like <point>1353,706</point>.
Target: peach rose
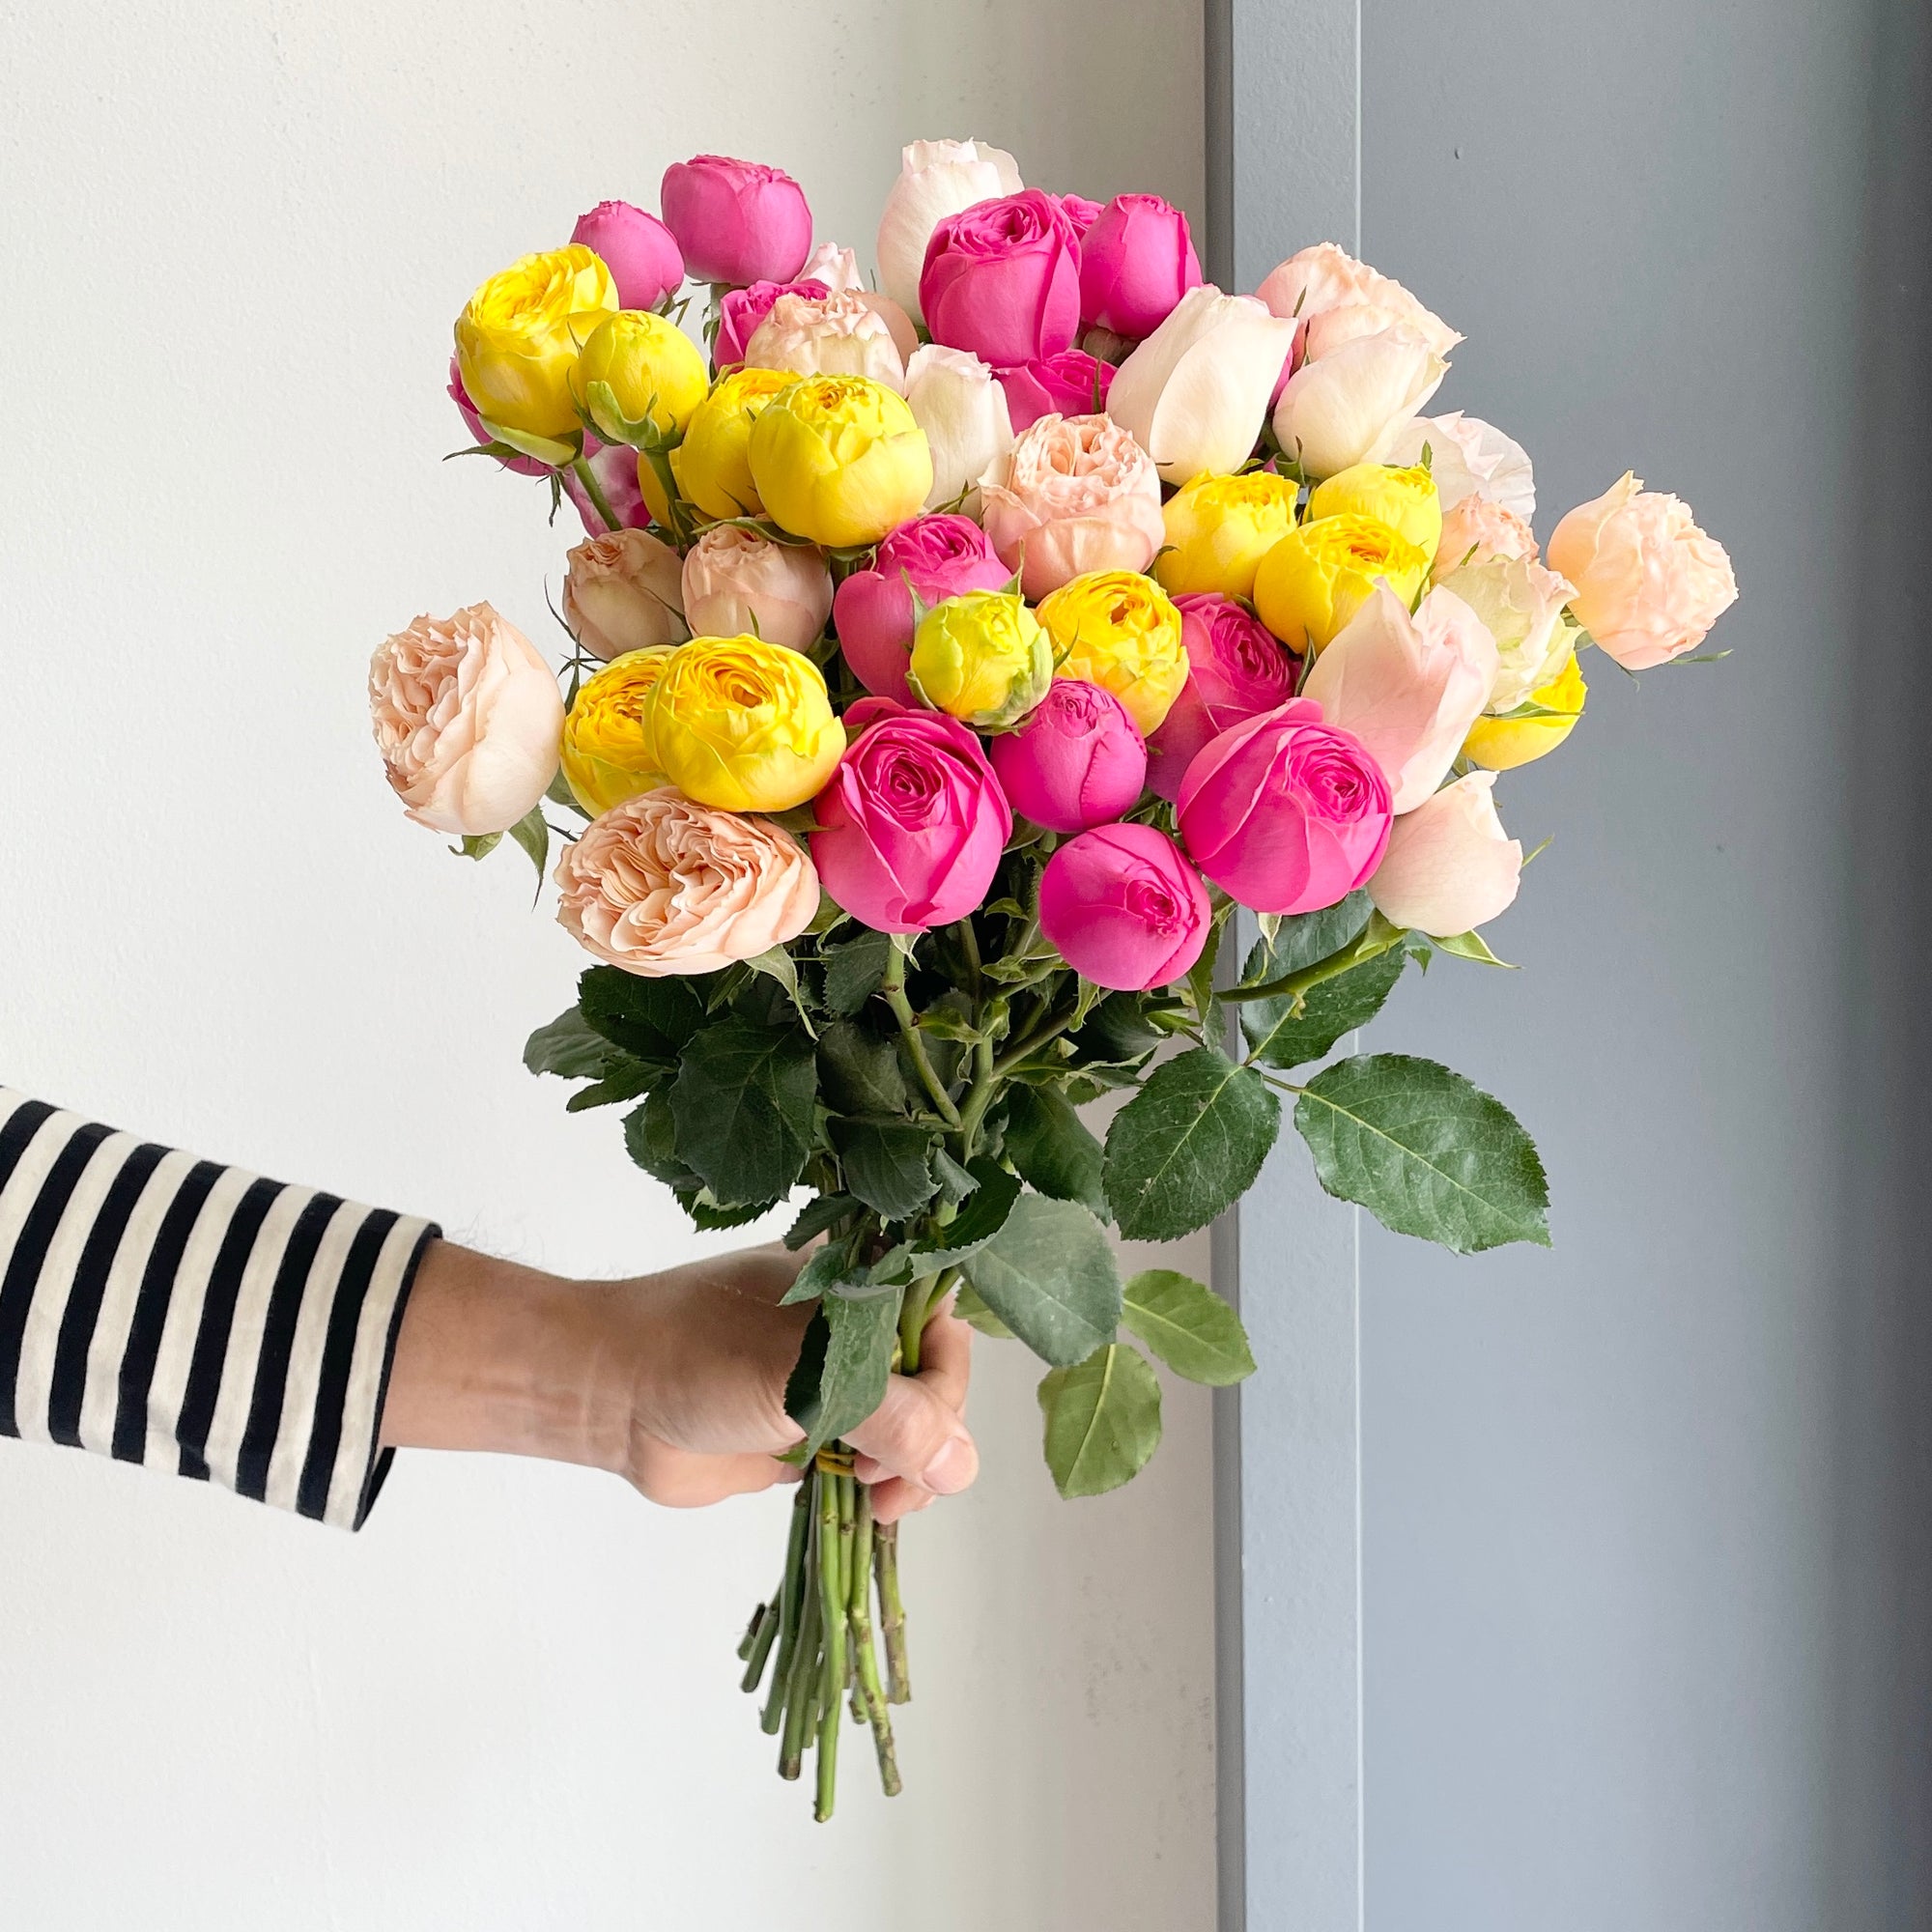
<point>1649,583</point>
<point>1478,531</point>
<point>1073,494</point>
<point>1333,299</point>
<point>467,718</point>
<point>1450,867</point>
<point>620,593</point>
<point>662,884</point>
<point>737,581</point>
<point>841,334</point>
<point>1467,457</point>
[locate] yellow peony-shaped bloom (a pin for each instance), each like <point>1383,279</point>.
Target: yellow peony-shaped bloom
<point>1501,743</point>
<point>983,657</point>
<point>640,378</point>
<point>1220,528</point>
<point>517,339</point>
<point>1317,578</point>
<point>713,463</point>
<point>744,725</point>
<point>1120,630</point>
<point>607,753</point>
<point>839,459</point>
<point>1405,499</point>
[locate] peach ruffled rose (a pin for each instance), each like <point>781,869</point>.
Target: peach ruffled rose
<point>621,593</point>
<point>663,885</point>
<point>1479,531</point>
<point>467,718</point>
<point>737,581</point>
<point>841,334</point>
<point>1073,494</point>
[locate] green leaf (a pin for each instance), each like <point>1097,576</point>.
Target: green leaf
<point>825,1270</point>
<point>477,845</point>
<point>888,1165</point>
<point>1188,1326</point>
<point>1280,1036</point>
<point>743,1108</point>
<point>1305,938</point>
<point>1425,1152</point>
<point>821,1212</point>
<point>955,1182</point>
<point>571,1047</point>
<point>625,1082</point>
<point>1102,1418</point>
<point>650,1138</point>
<point>975,1312</point>
<point>1188,1144</point>
<point>1116,1033</point>
<point>533,832</point>
<point>860,1071</point>
<point>651,1019</point>
<point>976,1224</point>
<point>1049,1275</point>
<point>1050,1145</point>
<point>708,1214</point>
<point>853,1342</point>
<point>775,963</point>
<point>1472,945</point>
<point>854,969</point>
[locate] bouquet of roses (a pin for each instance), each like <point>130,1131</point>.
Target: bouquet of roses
<point>948,662</point>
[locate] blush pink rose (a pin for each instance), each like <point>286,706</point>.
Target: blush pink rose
<point>931,559</point>
<point>737,222</point>
<point>1477,531</point>
<point>1074,493</point>
<point>641,252</point>
<point>1235,669</point>
<point>1450,867</point>
<point>1323,281</point>
<point>1649,583</point>
<point>662,884</point>
<point>1284,812</point>
<point>913,822</point>
<point>1077,759</point>
<point>1137,260</point>
<point>614,465</point>
<point>741,310</point>
<point>623,592</point>
<point>738,582</point>
<point>1002,279</point>
<point>1123,908</point>
<point>840,335</point>
<point>1072,384</point>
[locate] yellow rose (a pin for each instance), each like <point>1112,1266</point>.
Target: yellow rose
<point>839,459</point>
<point>1317,578</point>
<point>1405,499</point>
<point>517,339</point>
<point>608,754</point>
<point>983,657</point>
<point>1119,629</point>
<point>1220,528</point>
<point>640,378</point>
<point>713,463</point>
<point>744,725</point>
<point>1501,743</point>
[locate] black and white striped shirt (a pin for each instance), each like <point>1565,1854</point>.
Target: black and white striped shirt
<point>194,1318</point>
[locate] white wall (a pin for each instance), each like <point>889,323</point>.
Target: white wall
<point>236,237</point>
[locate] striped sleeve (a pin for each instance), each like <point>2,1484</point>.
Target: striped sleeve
<point>188,1316</point>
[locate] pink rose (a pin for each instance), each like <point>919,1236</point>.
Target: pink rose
<point>614,465</point>
<point>737,222</point>
<point>1408,687</point>
<point>913,822</point>
<point>931,558</point>
<point>1137,260</point>
<point>936,179</point>
<point>840,335</point>
<point>1123,908</point>
<point>641,252</point>
<point>1449,868</point>
<point>741,310</point>
<point>1284,812</point>
<point>1072,384</point>
<point>1649,583</point>
<point>738,583</point>
<point>1074,493</point>
<point>1324,282</point>
<point>1002,279</point>
<point>1078,209</point>
<point>467,718</point>
<point>1235,669</point>
<point>662,884</point>
<point>623,592</point>
<point>479,433</point>
<point>1476,531</point>
<point>836,266</point>
<point>1076,760</point>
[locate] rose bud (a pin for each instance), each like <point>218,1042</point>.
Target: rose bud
<point>1318,575</point>
<point>840,460</point>
<point>1285,814</point>
<point>622,593</point>
<point>1502,743</point>
<point>1073,494</point>
<point>1123,908</point>
<point>1323,284</point>
<point>1235,669</point>
<point>1449,867</point>
<point>1467,458</point>
<point>519,337</point>
<point>608,752</point>
<point>713,463</point>
<point>737,222</point>
<point>741,310</point>
<point>831,335</point>
<point>1345,408</point>
<point>962,410</point>
<point>930,558</point>
<point>737,580</point>
<point>1477,531</point>
<point>1120,630</point>
<point>980,657</point>
<point>1220,528</point>
<point>479,430</point>
<point>1520,604</point>
<point>641,252</point>
<point>616,466</point>
<point>1002,279</point>
<point>1072,384</point>
<point>1136,262</point>
<point>1076,760</point>
<point>936,179</point>
<point>641,375</point>
<point>1404,501</point>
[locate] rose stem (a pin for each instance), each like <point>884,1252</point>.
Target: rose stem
<point>861,1605</point>
<point>805,1660</point>
<point>790,1594</point>
<point>751,1630</point>
<point>892,986</point>
<point>891,1613</point>
<point>832,1613</point>
<point>762,1649</point>
<point>594,490</point>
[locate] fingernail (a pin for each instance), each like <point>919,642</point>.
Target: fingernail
<point>952,1468</point>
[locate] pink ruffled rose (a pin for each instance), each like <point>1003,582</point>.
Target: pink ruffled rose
<point>1002,279</point>
<point>1078,209</point>
<point>1076,760</point>
<point>840,335</point>
<point>741,310</point>
<point>736,221</point>
<point>1072,384</point>
<point>623,592</point>
<point>913,822</point>
<point>1237,667</point>
<point>1477,531</point>
<point>931,559</point>
<point>1137,260</point>
<point>1123,908</point>
<point>1649,583</point>
<point>1074,493</point>
<point>467,719</point>
<point>1450,867</point>
<point>641,252</point>
<point>662,884</point>
<point>738,582</point>
<point>1285,813</point>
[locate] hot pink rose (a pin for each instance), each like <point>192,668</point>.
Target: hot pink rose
<point>913,822</point>
<point>1285,813</point>
<point>614,465</point>
<point>1123,908</point>
<point>737,222</point>
<point>1002,279</point>
<point>1235,669</point>
<point>1079,211</point>
<point>1077,761</point>
<point>641,252</point>
<point>741,310</point>
<point>1136,262</point>
<point>931,558</point>
<point>1072,384</point>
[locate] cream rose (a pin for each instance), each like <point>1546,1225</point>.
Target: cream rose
<point>1450,867</point>
<point>1332,297</point>
<point>737,581</point>
<point>467,718</point>
<point>1343,409</point>
<point>1467,458</point>
<point>662,884</point>
<point>620,593</point>
<point>834,266</point>
<point>961,406</point>
<point>1520,604</point>
<point>838,334</point>
<point>936,179</point>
